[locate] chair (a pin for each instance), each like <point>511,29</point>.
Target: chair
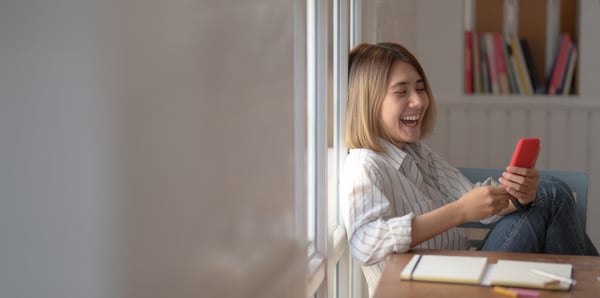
<point>578,181</point>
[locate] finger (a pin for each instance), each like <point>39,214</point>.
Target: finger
<point>499,206</point>
<point>497,190</point>
<point>533,173</point>
<point>515,194</point>
<point>503,204</point>
<point>523,175</point>
<point>501,197</point>
<point>517,170</point>
<point>522,196</point>
<point>511,184</point>
<point>517,178</point>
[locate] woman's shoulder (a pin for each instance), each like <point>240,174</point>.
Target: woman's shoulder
<point>363,155</point>
<point>361,163</point>
<point>367,158</point>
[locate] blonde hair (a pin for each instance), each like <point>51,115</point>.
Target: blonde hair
<point>368,70</point>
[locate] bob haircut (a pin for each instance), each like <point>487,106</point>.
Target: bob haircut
<point>368,70</point>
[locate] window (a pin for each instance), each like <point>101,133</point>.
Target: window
<point>322,43</point>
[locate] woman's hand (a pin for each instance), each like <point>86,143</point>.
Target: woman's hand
<point>484,201</point>
<point>521,183</point>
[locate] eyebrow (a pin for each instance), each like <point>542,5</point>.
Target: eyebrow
<point>404,83</point>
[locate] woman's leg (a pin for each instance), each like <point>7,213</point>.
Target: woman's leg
<point>550,226</point>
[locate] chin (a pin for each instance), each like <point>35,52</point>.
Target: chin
<point>406,140</point>
<point>412,138</point>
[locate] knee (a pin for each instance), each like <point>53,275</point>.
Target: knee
<point>555,189</point>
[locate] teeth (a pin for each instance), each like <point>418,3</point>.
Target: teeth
<point>411,118</point>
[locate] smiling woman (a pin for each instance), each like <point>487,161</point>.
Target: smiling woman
<point>397,193</point>
<point>405,102</point>
<point>397,91</point>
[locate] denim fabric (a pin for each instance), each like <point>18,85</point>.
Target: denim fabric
<point>549,226</point>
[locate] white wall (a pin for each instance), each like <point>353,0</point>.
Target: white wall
<point>146,149</point>
<point>389,20</point>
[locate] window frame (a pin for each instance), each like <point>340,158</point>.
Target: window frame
<point>324,31</point>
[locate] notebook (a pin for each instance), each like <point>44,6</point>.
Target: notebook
<point>477,271</point>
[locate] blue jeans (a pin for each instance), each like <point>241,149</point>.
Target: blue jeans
<point>550,226</point>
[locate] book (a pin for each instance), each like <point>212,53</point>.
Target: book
<point>523,274</point>
<point>476,64</point>
<point>537,85</point>
<point>553,15</point>
<point>456,269</point>
<point>512,75</point>
<point>501,66</point>
<point>522,71</point>
<point>485,77</point>
<point>568,83</point>
<point>468,62</point>
<point>488,39</point>
<point>513,63</point>
<point>476,271</point>
<point>560,64</point>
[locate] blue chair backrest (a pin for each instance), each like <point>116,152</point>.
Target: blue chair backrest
<point>578,181</point>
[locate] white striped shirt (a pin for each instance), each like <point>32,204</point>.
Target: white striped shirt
<point>380,194</point>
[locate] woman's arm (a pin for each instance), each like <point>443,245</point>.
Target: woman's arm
<point>479,203</point>
<point>376,227</point>
<point>375,240</point>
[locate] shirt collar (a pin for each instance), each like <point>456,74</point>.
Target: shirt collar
<point>395,155</point>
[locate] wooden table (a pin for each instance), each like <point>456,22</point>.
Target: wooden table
<point>585,270</point>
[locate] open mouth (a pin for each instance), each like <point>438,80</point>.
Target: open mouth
<point>410,120</point>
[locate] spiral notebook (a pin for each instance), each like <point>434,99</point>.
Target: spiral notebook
<point>477,271</point>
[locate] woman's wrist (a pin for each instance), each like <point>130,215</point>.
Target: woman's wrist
<point>457,209</point>
<point>521,207</point>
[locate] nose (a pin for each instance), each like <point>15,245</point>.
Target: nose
<point>418,99</point>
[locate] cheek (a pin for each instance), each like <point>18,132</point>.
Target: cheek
<point>388,112</point>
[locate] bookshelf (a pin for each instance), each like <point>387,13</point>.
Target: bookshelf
<point>439,46</point>
<point>534,49</point>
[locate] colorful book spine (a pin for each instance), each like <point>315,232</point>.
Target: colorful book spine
<point>491,61</point>
<point>537,84</point>
<point>553,15</point>
<point>468,78</point>
<point>522,71</point>
<point>563,75</point>
<point>560,64</point>
<point>485,77</point>
<point>503,82</point>
<point>513,63</point>
<point>512,80</point>
<point>568,81</point>
<point>476,52</point>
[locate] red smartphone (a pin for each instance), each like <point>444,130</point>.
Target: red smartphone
<point>526,153</point>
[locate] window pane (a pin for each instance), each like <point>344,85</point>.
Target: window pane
<point>311,118</point>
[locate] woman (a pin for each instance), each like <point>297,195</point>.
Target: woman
<point>397,194</point>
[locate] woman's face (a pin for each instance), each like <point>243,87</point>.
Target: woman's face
<point>404,104</point>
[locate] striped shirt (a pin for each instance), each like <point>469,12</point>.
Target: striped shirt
<point>380,194</point>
